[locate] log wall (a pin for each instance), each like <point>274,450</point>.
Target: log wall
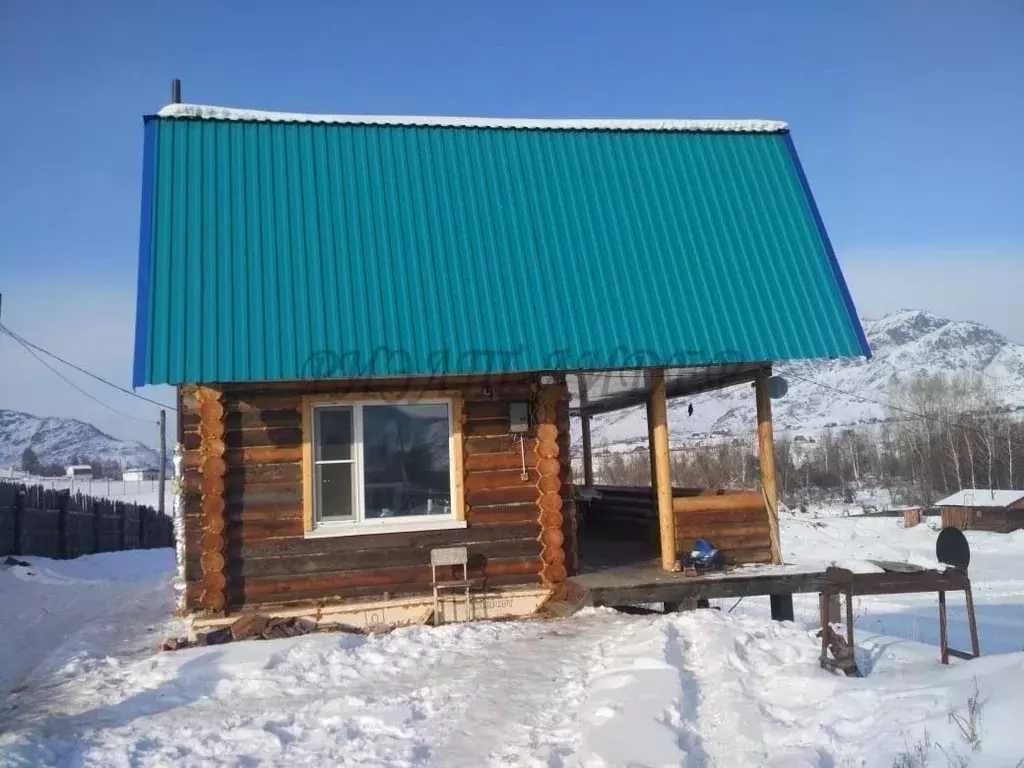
<point>516,528</point>
<point>995,519</point>
<point>736,522</point>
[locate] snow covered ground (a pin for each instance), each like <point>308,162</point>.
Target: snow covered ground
<point>714,687</point>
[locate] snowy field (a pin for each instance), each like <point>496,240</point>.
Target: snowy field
<point>707,688</point>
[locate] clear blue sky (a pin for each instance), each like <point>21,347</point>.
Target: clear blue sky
<point>908,117</point>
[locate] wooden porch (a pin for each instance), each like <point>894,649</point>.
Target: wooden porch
<point>742,524</point>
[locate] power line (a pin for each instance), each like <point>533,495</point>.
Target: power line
<point>75,386</point>
<point>30,346</point>
<point>916,414</point>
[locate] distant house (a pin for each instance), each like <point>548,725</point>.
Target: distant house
<point>377,327</point>
<point>78,471</point>
<point>137,475</point>
<point>982,509</point>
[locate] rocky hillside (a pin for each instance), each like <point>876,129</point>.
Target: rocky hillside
<point>905,344</point>
<point>57,440</point>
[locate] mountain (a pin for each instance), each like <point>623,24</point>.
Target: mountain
<point>904,344</point>
<point>57,440</point>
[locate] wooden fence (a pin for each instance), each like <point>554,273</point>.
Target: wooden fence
<point>48,523</point>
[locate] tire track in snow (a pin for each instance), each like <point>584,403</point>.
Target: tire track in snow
<point>524,709</point>
<point>677,651</point>
<point>729,720</point>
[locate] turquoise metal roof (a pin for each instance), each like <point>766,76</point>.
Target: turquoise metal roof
<point>275,250</point>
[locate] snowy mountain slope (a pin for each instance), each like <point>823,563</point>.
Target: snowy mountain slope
<point>905,344</point>
<point>57,440</point>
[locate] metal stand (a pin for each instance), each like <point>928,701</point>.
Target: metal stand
<point>890,582</point>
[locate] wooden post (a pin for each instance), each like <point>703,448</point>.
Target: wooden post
<point>19,523</point>
<point>849,620</point>
<point>824,600</point>
<point>972,622</point>
<point>782,607</point>
<point>585,418</point>
<point>122,522</point>
<point>96,523</point>
<point>588,456</point>
<point>943,633</point>
<point>662,469</point>
<point>63,500</point>
<point>163,462</point>
<point>835,614</point>
<point>766,459</point>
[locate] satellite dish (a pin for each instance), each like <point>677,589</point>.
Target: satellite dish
<point>952,548</point>
<point>777,387</point>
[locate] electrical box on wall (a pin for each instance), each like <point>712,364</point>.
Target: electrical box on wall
<point>518,418</point>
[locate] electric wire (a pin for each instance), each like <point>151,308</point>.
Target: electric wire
<point>30,346</point>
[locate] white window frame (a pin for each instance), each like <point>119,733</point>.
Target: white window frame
<point>359,525</point>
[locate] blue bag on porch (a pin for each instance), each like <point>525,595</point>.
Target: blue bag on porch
<point>703,556</point>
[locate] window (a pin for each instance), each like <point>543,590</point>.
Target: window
<point>374,466</point>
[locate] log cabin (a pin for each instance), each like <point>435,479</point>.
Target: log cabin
<point>379,329</point>
<point>983,509</point>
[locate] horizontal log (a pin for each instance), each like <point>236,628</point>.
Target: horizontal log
<point>288,437</point>
<point>250,512</point>
<point>505,444</point>
<point>261,403</point>
<point>485,409</point>
<point>726,543</point>
<point>361,594</point>
<point>264,454</point>
<point>704,503</point>
<point>714,517</point>
<point>290,472</point>
<point>472,534</point>
<point>376,559</point>
<point>263,494</point>
<point>328,583</point>
<point>262,419</point>
<point>484,462</point>
<point>723,531</point>
<point>677,492</point>
<point>511,478</point>
<point>257,529</point>
<point>747,556</point>
<point>240,490</point>
<point>486,428</point>
<point>501,496</point>
<point>497,515</point>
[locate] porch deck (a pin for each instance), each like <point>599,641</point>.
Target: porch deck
<point>649,583</point>
<point>644,583</point>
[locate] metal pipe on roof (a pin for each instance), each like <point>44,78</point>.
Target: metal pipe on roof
<point>175,91</point>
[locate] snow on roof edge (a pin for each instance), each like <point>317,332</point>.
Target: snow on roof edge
<point>981,497</point>
<point>208,112</point>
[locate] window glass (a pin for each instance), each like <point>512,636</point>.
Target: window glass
<point>406,463</point>
<point>333,433</point>
<point>334,491</point>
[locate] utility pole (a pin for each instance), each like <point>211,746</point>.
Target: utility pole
<point>163,461</point>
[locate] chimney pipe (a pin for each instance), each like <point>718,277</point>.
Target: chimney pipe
<point>175,91</point>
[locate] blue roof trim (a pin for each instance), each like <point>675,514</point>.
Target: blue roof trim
<point>145,257</point>
<point>820,224</point>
